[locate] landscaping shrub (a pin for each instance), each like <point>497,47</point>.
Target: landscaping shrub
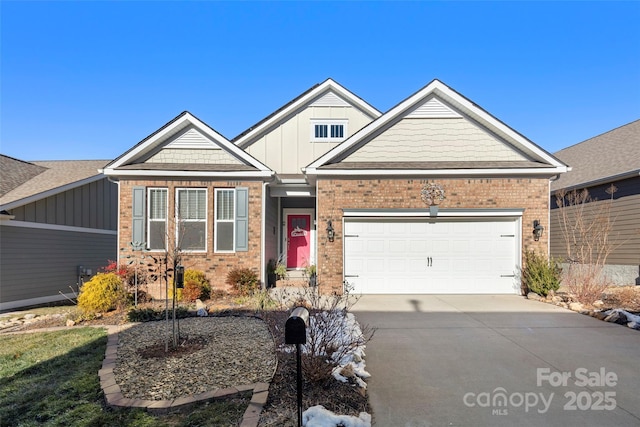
<point>149,314</point>
<point>540,274</point>
<point>243,281</point>
<point>126,272</point>
<point>196,286</point>
<point>104,292</point>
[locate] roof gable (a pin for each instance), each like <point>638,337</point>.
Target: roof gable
<point>326,94</point>
<point>604,158</point>
<point>186,146</point>
<point>431,107</point>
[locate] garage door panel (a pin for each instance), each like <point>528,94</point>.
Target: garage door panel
<point>427,256</point>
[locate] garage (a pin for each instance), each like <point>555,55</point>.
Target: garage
<point>441,255</point>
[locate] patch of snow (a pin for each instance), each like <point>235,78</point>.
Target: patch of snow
<point>633,320</point>
<point>318,416</point>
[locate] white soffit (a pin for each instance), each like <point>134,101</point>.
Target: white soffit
<point>433,109</point>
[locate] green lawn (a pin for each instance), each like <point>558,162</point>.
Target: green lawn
<point>51,379</point>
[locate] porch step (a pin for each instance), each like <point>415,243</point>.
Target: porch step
<point>295,278</point>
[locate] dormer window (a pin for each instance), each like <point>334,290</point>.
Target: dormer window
<point>328,130</point>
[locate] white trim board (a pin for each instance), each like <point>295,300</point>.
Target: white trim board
<point>448,96</point>
<point>26,224</point>
<point>181,122</point>
<point>419,213</point>
<point>30,301</point>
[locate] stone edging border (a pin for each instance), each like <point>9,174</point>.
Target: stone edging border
<point>114,398</point>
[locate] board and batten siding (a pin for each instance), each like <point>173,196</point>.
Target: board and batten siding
<point>439,139</point>
<point>93,205</point>
<point>38,263</point>
<point>287,148</point>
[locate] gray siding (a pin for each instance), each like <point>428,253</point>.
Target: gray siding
<point>37,263</point>
<point>93,205</point>
<point>625,234</point>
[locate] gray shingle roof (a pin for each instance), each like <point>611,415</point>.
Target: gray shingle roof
<point>54,174</point>
<point>614,153</point>
<point>14,172</point>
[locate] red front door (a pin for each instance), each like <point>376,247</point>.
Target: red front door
<point>298,240</point>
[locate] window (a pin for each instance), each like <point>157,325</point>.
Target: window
<point>157,219</point>
<point>225,220</point>
<point>191,215</point>
<point>328,130</point>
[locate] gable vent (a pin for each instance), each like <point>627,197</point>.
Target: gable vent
<point>330,99</point>
<point>433,109</point>
<point>192,139</point>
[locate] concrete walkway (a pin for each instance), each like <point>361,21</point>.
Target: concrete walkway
<point>485,360</point>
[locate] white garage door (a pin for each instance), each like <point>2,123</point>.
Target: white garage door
<point>443,256</point>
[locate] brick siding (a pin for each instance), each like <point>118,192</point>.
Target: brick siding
<point>215,265</point>
<point>529,194</point>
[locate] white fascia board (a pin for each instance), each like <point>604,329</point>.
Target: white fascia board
<point>465,104</point>
<point>327,85</point>
<point>187,118</point>
<point>435,172</point>
<point>371,127</point>
<point>191,174</point>
<point>52,192</point>
<point>440,89</point>
<point>407,213</point>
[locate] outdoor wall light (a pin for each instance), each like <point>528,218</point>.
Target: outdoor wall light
<point>331,234</point>
<point>537,230</point>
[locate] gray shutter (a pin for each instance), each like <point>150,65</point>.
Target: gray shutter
<point>242,219</point>
<point>138,205</point>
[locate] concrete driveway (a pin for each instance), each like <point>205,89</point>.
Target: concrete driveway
<point>492,360</point>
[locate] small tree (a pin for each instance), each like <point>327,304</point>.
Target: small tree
<point>585,225</point>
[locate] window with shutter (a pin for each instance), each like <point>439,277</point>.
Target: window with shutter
<point>225,208</point>
<point>157,219</point>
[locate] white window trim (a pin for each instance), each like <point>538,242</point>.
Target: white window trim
<point>216,221</point>
<point>148,219</point>
<point>177,218</point>
<point>328,122</point>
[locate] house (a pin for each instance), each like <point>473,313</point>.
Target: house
<point>58,225</point>
<point>612,158</point>
<point>328,180</point>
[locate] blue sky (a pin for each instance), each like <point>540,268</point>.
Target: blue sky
<point>88,80</point>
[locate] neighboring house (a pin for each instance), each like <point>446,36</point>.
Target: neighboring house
<point>612,158</point>
<point>55,217</point>
<point>328,180</point>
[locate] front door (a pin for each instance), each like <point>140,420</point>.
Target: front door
<point>298,240</point>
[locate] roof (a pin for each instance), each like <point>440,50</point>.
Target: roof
<point>14,172</point>
<point>436,88</point>
<point>249,136</point>
<point>127,164</point>
<point>55,176</point>
<point>604,158</point>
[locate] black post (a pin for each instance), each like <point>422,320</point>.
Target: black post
<point>299,383</point>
